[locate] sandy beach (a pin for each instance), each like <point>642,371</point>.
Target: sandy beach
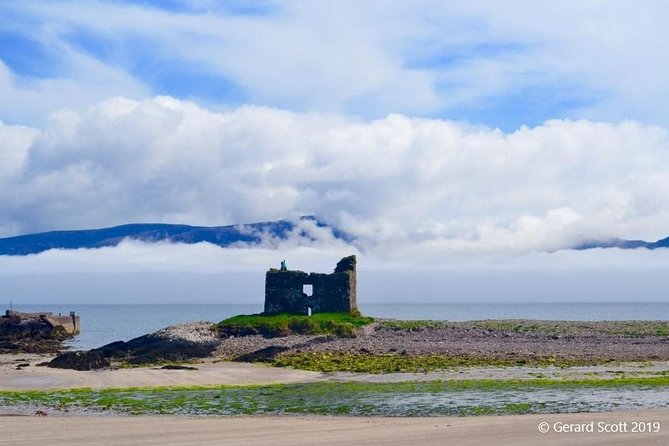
<point>208,373</point>
<point>296,431</point>
<point>216,372</point>
<point>21,427</point>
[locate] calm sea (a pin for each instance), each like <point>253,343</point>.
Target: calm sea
<point>102,324</point>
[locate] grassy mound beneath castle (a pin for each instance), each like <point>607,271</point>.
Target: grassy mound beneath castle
<point>275,325</point>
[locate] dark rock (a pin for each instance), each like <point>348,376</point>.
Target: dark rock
<point>91,360</point>
<point>8,347</point>
<point>172,344</point>
<point>177,367</point>
<point>263,355</point>
<point>30,333</point>
<point>117,348</point>
<point>148,350</point>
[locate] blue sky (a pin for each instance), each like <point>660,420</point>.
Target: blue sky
<point>94,89</point>
<point>459,136</point>
<point>520,64</point>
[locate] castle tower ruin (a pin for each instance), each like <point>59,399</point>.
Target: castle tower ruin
<point>330,293</point>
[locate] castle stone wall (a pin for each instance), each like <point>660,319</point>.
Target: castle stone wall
<point>334,292</point>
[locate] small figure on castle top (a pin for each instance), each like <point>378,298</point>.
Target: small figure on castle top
<point>283,266</point>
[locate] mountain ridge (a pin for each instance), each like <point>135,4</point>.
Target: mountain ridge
<point>222,236</point>
<point>622,244</point>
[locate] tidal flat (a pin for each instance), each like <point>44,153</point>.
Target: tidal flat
<point>378,368</point>
<point>427,398</point>
<point>391,346</point>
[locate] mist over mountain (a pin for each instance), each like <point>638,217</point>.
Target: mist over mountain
<point>623,244</point>
<point>241,235</point>
<point>223,236</point>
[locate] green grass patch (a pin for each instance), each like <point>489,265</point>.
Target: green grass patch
<point>632,329</point>
<point>336,324</point>
<point>413,325</point>
<point>393,363</point>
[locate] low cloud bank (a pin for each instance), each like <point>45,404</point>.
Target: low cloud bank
<point>136,272</point>
<point>420,187</point>
<point>440,211</point>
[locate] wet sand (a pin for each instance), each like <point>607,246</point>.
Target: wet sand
<point>62,429</point>
<point>212,372</point>
<point>208,373</point>
<point>296,431</point>
<point>644,369</point>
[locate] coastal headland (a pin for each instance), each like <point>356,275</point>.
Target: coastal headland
<point>373,381</point>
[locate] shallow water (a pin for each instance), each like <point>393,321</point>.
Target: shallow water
<point>426,400</point>
<point>530,401</point>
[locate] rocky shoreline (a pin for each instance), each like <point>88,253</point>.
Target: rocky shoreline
<point>175,343</point>
<point>494,340</point>
<point>30,335</point>
<point>518,340</point>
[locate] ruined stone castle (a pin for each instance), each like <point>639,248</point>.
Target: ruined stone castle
<point>297,292</point>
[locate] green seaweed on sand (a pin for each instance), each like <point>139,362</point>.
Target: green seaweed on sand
<point>412,398</point>
<point>632,329</point>
<point>393,362</point>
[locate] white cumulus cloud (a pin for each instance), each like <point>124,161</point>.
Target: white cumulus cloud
<point>436,185</point>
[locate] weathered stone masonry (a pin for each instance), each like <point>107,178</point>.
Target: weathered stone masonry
<point>70,324</point>
<point>334,292</point>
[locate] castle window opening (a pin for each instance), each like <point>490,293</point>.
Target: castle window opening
<point>308,289</point>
